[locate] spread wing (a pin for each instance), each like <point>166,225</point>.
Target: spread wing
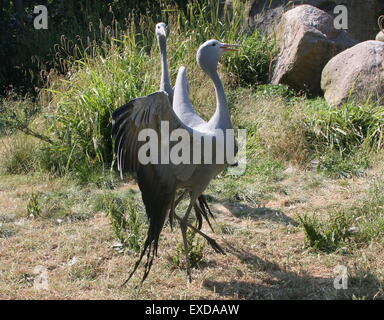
<point>157,182</point>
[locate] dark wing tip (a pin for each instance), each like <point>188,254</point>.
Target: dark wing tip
<point>119,115</point>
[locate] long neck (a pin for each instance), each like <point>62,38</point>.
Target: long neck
<point>221,118</point>
<point>164,83</point>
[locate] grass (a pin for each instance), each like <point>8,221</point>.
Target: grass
<point>265,255</point>
<point>348,227</point>
<point>33,206</point>
<point>309,200</point>
<point>33,57</point>
<point>127,221</point>
<point>196,247</point>
<point>298,131</point>
<point>75,118</point>
<point>18,154</point>
<point>74,122</point>
<point>328,236</point>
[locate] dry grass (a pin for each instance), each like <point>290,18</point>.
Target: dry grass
<point>17,154</point>
<point>256,224</point>
<point>265,255</point>
<point>282,131</point>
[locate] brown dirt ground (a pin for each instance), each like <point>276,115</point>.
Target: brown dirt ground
<point>265,255</point>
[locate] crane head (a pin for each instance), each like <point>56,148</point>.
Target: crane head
<point>210,51</point>
<point>161,30</point>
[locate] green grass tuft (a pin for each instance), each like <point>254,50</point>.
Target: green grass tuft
<point>348,227</point>
<point>196,251</point>
<point>127,222</point>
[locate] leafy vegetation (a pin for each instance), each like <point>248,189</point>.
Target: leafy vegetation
<point>33,206</point>
<point>29,56</point>
<point>196,248</point>
<point>19,155</point>
<point>253,64</point>
<point>327,236</point>
<point>299,131</point>
<point>75,125</point>
<point>346,227</point>
<point>127,222</point>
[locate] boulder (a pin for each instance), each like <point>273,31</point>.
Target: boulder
<point>265,15</point>
<point>362,15</point>
<point>308,40</point>
<point>356,73</point>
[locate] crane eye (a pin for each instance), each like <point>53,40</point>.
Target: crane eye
<point>213,44</point>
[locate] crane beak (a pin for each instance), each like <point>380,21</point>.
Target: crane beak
<point>230,47</point>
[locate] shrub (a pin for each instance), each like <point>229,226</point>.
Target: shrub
<point>252,64</point>
<point>33,206</point>
<point>329,235</point>
<point>195,247</point>
<point>126,221</point>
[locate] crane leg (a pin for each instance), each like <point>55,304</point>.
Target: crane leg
<point>212,242</point>
<point>183,227</point>
<point>172,211</point>
<point>179,199</point>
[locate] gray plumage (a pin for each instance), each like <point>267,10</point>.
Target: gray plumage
<point>158,182</point>
<point>161,31</point>
<point>182,106</point>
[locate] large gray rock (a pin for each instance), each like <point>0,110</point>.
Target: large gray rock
<point>308,40</point>
<point>356,73</point>
<point>362,14</point>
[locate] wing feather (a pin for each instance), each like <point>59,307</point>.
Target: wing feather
<point>181,102</point>
<point>157,182</point>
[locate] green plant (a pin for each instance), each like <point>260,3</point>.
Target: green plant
<point>370,214</point>
<point>326,236</point>
<point>281,129</point>
<point>33,206</point>
<point>30,57</point>
<point>225,228</point>
<point>274,90</point>
<point>195,247</point>
<point>106,71</point>
<point>113,74</point>
<point>298,130</point>
<point>126,221</point>
<point>6,232</point>
<point>344,128</point>
<point>18,113</point>
<point>83,271</point>
<point>252,65</point>
<point>337,165</point>
<point>358,225</point>
<point>18,154</point>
